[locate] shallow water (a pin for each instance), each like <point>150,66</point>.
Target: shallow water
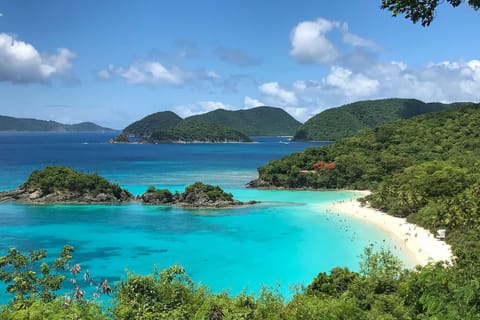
<point>285,240</point>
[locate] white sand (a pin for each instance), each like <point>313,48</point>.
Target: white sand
<point>420,243</point>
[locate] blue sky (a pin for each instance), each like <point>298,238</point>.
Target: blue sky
<point>113,62</point>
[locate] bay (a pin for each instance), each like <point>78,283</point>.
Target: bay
<point>283,241</point>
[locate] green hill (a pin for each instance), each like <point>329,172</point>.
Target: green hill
<point>426,168</point>
<point>59,184</point>
<point>23,124</point>
<point>159,121</point>
<point>192,131</point>
<point>260,121</point>
<point>345,121</point>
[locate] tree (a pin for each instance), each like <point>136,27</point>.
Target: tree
<point>421,10</point>
<point>20,273</point>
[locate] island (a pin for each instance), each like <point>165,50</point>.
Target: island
<point>63,185</point>
<point>218,126</point>
<point>26,124</point>
<point>59,184</point>
<point>158,121</point>
<point>196,195</point>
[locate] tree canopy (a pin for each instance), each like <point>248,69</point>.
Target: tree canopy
<point>425,169</point>
<point>421,10</point>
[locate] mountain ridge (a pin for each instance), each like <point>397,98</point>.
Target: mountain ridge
<point>347,120</point>
<point>258,121</point>
<point>8,123</point>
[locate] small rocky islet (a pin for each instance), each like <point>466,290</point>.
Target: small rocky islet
<point>63,185</point>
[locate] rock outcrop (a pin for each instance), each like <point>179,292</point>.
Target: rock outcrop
<point>197,195</point>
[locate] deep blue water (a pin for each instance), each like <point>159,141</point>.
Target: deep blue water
<point>285,240</point>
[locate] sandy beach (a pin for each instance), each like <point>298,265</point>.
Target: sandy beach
<point>420,243</point>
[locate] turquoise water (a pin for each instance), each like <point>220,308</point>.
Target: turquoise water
<point>285,240</point>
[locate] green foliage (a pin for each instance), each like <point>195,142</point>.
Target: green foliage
<point>193,131</point>
<point>121,138</point>
<point>426,168</point>
<point>381,290</point>
<point>260,121</point>
<point>333,284</point>
<point>171,294</point>
<point>27,278</point>
<point>53,310</point>
<point>214,193</point>
<point>160,121</point>
<point>64,178</point>
<point>153,195</point>
<point>421,10</point>
<point>347,120</point>
<point>164,294</point>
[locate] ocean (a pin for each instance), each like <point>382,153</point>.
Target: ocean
<point>281,243</point>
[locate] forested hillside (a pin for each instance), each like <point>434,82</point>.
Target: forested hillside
<point>260,121</point>
<point>192,131</point>
<point>347,120</point>
<point>159,121</point>
<point>426,169</point>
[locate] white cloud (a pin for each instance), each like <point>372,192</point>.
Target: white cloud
<point>20,62</point>
<point>299,113</point>
<point>446,81</point>
<point>355,40</point>
<point>212,75</point>
<point>309,43</point>
<point>107,73</point>
<point>252,103</point>
<point>153,73</point>
<point>200,107</point>
<point>277,94</point>
<point>350,84</point>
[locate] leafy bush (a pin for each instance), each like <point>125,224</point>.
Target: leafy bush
<point>214,193</point>
<point>381,290</point>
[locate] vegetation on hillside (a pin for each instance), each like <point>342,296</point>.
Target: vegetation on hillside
<point>426,168</point>
<point>381,289</point>
<point>159,121</point>
<point>60,178</point>
<point>193,131</point>
<point>260,121</point>
<point>347,120</point>
<point>21,124</point>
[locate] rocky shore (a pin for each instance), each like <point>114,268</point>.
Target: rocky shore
<point>197,195</point>
<point>34,196</point>
<point>63,185</point>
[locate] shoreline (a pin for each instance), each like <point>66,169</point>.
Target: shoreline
<point>417,242</point>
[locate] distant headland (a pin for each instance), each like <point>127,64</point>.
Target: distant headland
<point>26,124</point>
